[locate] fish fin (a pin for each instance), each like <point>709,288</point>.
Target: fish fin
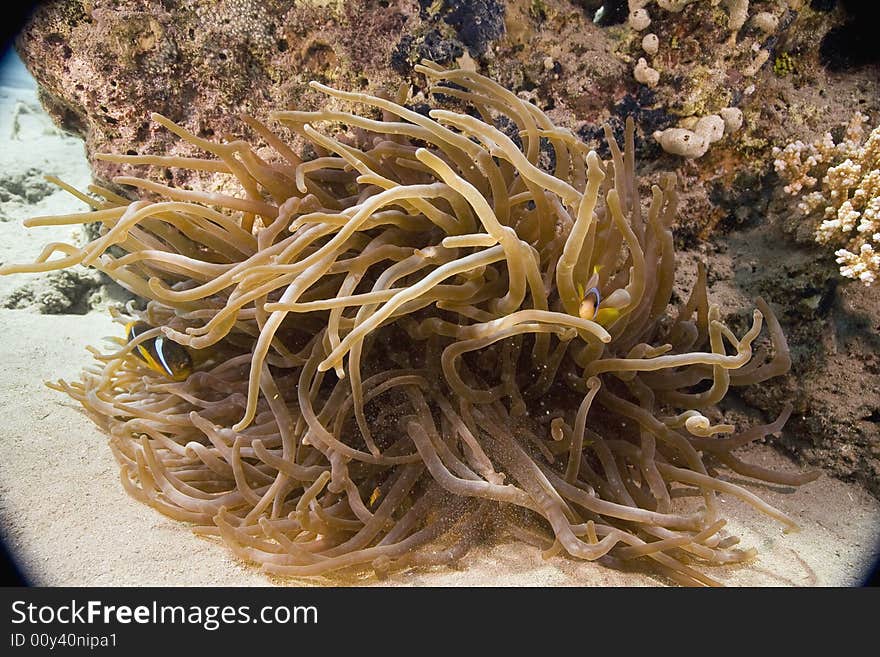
<point>147,357</point>
<point>607,316</point>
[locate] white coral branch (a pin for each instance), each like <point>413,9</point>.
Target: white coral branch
<point>844,189</point>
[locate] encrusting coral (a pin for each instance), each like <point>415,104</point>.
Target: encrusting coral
<point>694,136</point>
<point>416,338</point>
<point>840,182</point>
<point>737,11</point>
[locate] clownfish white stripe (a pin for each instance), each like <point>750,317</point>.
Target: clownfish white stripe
<point>159,346</point>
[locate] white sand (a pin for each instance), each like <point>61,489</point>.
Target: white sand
<point>31,147</point>
<point>68,520</point>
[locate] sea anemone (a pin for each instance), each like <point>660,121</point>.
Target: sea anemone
<point>416,338</point>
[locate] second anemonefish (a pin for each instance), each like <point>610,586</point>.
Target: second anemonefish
<point>591,300</point>
<point>161,354</point>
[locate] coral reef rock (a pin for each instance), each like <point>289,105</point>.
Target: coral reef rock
<point>59,293</point>
<point>104,66</point>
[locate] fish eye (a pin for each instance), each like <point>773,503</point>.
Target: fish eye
<point>134,329</point>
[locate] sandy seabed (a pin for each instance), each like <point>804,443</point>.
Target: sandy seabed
<point>68,521</point>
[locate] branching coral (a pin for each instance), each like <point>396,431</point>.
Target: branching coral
<point>417,338</point>
<point>840,182</point>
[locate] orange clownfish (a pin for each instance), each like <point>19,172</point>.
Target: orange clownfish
<point>161,354</point>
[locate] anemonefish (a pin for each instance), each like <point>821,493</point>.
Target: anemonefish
<point>591,300</point>
<point>375,496</point>
<point>160,353</point>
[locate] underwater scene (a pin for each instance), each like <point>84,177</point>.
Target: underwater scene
<point>441,293</point>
